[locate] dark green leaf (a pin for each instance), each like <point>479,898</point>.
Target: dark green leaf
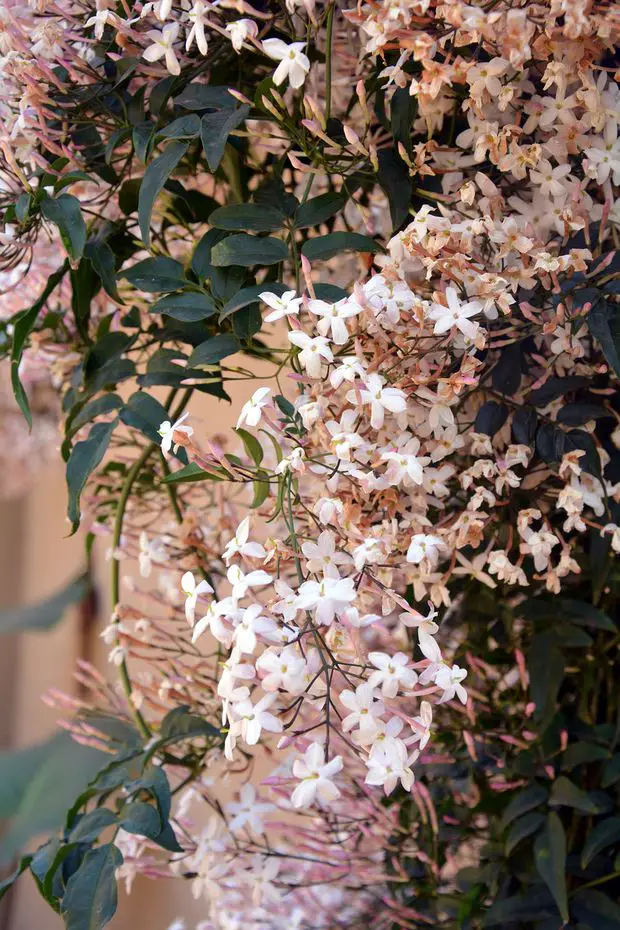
<point>111,374</point>
<point>90,901</point>
<point>189,306</point>
<point>85,457</point>
<point>244,250</point>
<point>261,493</point>
<point>584,614</point>
<point>143,412</point>
<point>39,784</point>
<point>153,181</point>
<point>247,322</point>
<point>316,211</point>
<point>215,129</point>
<point>249,295</point>
<point>554,388</point>
<point>576,414</point>
<point>524,801</point>
<point>393,176</point>
<point>581,753</point>
<point>545,663</point>
<point>90,825</point>
<point>490,418</point>
<point>604,323</point>
<point>201,259</point>
<point>404,107</point>
<point>205,97</point>
<point>330,292</point>
<point>156,274</point>
<point>191,472</point>
<point>46,614</point>
<point>324,247</point>
<point>523,827</point>
<point>252,446</point>
<point>565,794</point>
<point>214,350</point>
<point>596,910</point>
<point>185,127</point>
<point>611,772</point>
<point>65,213</point>
<point>107,403</point>
<point>101,257</point>
<point>180,724</point>
<point>141,818</point>
<point>7,883</point>
<point>524,424</point>
<point>143,137</point>
<point>550,857</point>
<point>506,375</point>
<point>604,834</point>
<point>254,217</point>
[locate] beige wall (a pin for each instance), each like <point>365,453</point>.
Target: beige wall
<point>36,558</point>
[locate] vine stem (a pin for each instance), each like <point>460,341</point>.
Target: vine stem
<point>328,61</point>
<point>128,484</point>
<point>123,671</point>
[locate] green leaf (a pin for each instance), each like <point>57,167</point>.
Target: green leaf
<point>595,910</point>
<point>611,772</point>
<point>85,457</point>
<point>198,96</point>
<point>565,794</point>
<point>143,138</point>
<point>324,247</point>
<point>185,127</point>
<point>107,403</point>
<point>38,785</point>
<point>581,753</point>
<point>191,472</point>
<point>23,326</point>
<point>101,257</point>
<point>261,493</point>
<point>189,307</point>
<point>65,213</point>
<point>90,901</point>
<point>545,664</point>
<point>144,820</point>
<point>252,445</point>
<point>141,818</point>
<point>583,613</point>
<point>143,412</point>
<point>201,259</point>
<point>7,883</point>
<point>180,724</point>
<point>316,211</point>
<point>524,801</point>
<point>247,322</point>
<point>90,825</point>
<point>214,350</point>
<point>153,182</point>
<point>604,324</point>
<point>604,834</point>
<point>215,129</point>
<point>255,217</point>
<point>241,249</point>
<point>523,827</point>
<point>550,858</point>
<point>46,614</point>
<point>404,108</point>
<point>249,295</point>
<point>154,275</point>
